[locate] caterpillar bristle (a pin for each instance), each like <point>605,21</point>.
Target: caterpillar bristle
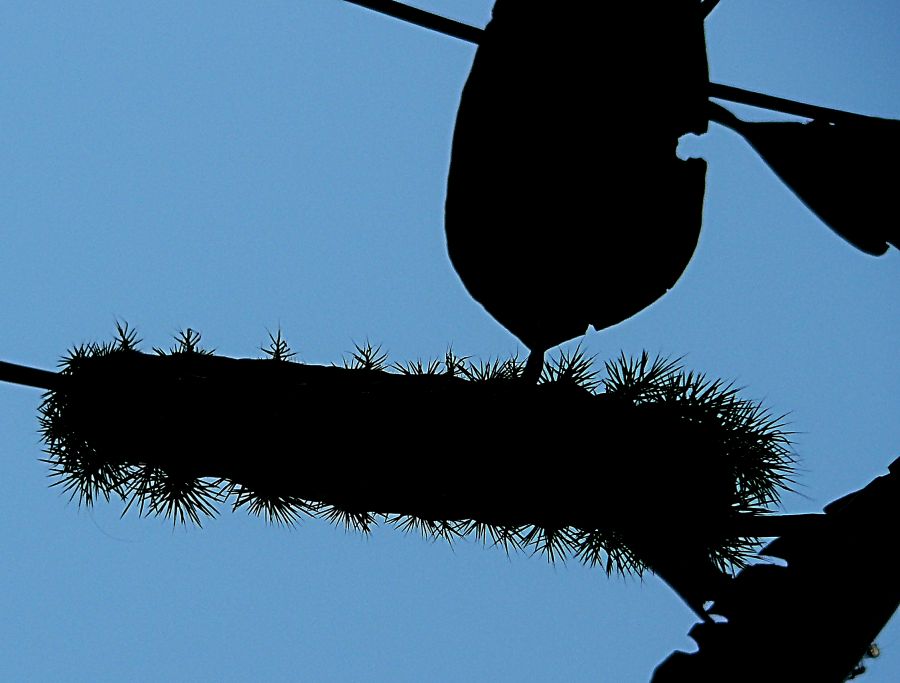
<point>429,528</point>
<point>554,544</point>
<point>367,357</point>
<point>502,370</point>
<point>496,535</point>
<point>85,479</point>
<point>278,348</point>
<point>275,509</point>
<point>573,368</point>
<point>171,495</point>
<point>597,548</point>
<point>350,519</point>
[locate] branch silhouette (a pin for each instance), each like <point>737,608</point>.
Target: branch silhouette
<point>817,616</point>
<point>838,169</point>
<point>729,93</point>
<point>566,205</point>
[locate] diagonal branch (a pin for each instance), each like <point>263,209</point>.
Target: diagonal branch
<point>814,616</point>
<point>730,93</point>
<point>419,17</point>
<point>473,34</point>
<point>30,377</point>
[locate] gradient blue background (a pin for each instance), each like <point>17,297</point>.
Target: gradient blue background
<point>235,167</point>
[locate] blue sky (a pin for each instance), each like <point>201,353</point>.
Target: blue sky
<point>236,167</point>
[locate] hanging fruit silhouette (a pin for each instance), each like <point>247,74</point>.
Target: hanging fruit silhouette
<point>566,204</point>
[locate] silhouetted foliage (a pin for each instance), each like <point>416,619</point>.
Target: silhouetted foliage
<point>542,179</point>
<point>815,615</point>
<point>842,171</point>
<point>566,204</point>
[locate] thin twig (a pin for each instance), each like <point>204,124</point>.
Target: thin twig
<point>810,111</point>
<point>450,27</point>
<point>718,91</point>
<point>30,377</point>
<point>420,17</point>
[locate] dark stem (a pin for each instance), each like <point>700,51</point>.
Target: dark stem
<point>810,111</point>
<point>30,377</point>
<point>728,93</point>
<point>533,367</point>
<point>420,17</point>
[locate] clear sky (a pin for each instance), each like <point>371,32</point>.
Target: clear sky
<point>235,167</point>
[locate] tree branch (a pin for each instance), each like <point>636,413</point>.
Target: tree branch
<point>31,377</point>
<point>473,34</point>
<point>815,618</point>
